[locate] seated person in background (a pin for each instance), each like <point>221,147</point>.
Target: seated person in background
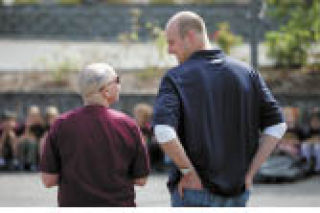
<point>52,113</point>
<point>28,143</point>
<point>290,143</point>
<point>143,114</point>
<point>8,141</point>
<point>310,148</point>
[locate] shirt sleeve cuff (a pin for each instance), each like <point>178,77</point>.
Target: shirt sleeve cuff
<point>276,130</point>
<point>164,133</point>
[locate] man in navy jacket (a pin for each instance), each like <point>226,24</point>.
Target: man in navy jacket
<point>208,116</point>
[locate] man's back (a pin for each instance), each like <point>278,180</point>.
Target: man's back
<point>220,117</point>
<point>217,106</point>
<point>98,152</point>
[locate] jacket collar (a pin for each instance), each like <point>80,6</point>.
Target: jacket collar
<point>209,54</point>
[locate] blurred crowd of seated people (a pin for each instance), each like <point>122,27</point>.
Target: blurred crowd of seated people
<point>21,144</point>
<point>302,140</point>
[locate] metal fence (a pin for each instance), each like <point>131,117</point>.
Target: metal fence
<point>107,22</point>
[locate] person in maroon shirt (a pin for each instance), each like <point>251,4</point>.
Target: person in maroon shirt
<point>95,154</point>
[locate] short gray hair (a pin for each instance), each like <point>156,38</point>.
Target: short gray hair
<point>94,77</point>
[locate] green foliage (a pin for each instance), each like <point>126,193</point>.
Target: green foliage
<point>162,1</point>
<point>21,2</point>
<point>182,2</point>
<point>70,2</point>
<point>150,72</point>
<point>117,1</point>
<point>128,37</point>
<point>135,14</point>
<point>289,46</point>
<point>159,38</point>
<point>225,38</point>
<point>60,66</point>
<point>62,69</point>
<point>202,1</point>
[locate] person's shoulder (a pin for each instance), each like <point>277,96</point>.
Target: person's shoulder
<point>238,64</point>
<point>178,71</point>
<point>174,71</point>
<point>180,68</point>
<point>121,117</point>
<point>67,116</point>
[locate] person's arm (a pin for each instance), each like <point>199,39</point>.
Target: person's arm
<point>176,152</point>
<point>140,167</point>
<point>170,144</point>
<point>49,180</point>
<point>272,124</point>
<point>1,141</point>
<point>167,113</point>
<point>14,141</point>
<point>267,145</point>
<point>268,142</point>
<point>50,159</point>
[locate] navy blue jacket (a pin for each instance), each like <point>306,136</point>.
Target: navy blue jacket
<point>218,107</point>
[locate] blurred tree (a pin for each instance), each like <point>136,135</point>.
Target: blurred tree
<point>162,1</point>
<point>117,1</point>
<point>135,14</point>
<point>158,36</point>
<point>197,1</point>
<point>202,1</point>
<point>225,38</point>
<point>70,2</point>
<point>27,1</point>
<point>290,44</point>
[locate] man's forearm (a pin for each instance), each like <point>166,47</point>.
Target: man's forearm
<point>176,152</point>
<point>267,145</point>
<point>190,179</point>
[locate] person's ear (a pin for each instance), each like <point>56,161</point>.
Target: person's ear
<point>192,36</point>
<point>105,93</point>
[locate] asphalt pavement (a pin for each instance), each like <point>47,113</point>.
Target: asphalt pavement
<point>26,190</point>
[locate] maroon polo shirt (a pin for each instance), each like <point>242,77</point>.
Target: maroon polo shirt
<point>97,152</point>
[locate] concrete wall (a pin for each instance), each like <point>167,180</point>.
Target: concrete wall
<point>20,101</point>
<point>107,22</point>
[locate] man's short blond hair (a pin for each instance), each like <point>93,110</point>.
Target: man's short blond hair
<point>34,110</point>
<point>187,20</point>
<point>52,111</point>
<point>144,110</point>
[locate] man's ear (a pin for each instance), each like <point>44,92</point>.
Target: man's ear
<point>192,36</point>
<point>105,93</point>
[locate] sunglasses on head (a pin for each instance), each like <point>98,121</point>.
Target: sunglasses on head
<point>117,80</point>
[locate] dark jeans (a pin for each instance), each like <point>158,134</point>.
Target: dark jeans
<point>204,198</point>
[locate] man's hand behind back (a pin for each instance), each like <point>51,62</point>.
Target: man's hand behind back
<point>190,180</point>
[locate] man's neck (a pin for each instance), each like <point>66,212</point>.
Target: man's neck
<point>96,102</point>
<point>203,46</point>
<point>207,46</point>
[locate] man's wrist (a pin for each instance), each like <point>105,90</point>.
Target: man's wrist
<point>185,171</point>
